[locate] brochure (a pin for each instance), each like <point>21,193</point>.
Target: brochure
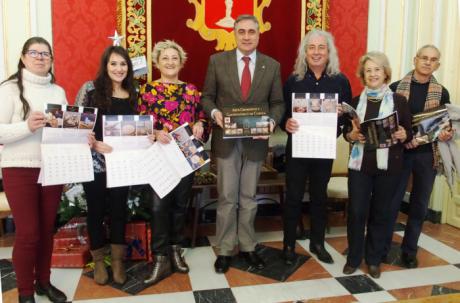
<point>427,125</point>
<point>246,121</point>
<point>379,132</point>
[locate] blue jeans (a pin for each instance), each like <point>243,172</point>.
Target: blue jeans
<point>421,167</point>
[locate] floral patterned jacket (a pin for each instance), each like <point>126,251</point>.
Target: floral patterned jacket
<point>172,105</point>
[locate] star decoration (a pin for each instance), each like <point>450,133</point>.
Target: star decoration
<point>116,39</point>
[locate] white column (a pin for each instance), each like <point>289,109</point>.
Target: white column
<point>19,21</point>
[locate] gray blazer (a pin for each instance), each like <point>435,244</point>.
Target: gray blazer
<point>222,88</point>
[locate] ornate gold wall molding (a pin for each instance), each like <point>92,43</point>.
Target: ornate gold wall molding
<point>134,23</point>
<point>314,15</point>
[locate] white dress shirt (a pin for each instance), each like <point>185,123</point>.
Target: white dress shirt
<point>240,63</point>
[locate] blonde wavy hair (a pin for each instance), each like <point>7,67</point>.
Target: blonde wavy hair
<point>165,44</point>
<point>378,58</point>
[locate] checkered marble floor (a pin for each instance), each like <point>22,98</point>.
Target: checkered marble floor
<point>308,280</point>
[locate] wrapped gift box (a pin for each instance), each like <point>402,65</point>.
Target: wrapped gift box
<point>137,241</point>
<point>74,233</point>
<point>72,256</point>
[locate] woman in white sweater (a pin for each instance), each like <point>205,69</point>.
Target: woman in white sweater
<point>34,207</point>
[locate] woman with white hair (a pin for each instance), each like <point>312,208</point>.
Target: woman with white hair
<point>172,103</point>
<point>373,174</point>
<point>316,71</point>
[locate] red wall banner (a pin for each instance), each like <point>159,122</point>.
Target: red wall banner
<point>81,28</point>
<point>80,34</point>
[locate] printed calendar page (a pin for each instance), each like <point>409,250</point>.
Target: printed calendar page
<point>128,137</point>
<point>317,118</point>
<point>65,153</point>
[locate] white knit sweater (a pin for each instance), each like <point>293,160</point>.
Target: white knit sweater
<point>21,146</point>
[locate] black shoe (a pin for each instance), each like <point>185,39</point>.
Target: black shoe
<point>321,253</point>
<point>253,259</point>
<point>289,255</point>
<point>374,271</point>
<point>26,299</point>
<point>222,264</point>
<point>53,294</point>
<point>348,269</point>
<point>409,261</point>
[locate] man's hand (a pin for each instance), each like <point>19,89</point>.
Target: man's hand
<point>36,120</point>
<point>272,127</point>
<point>446,134</point>
<point>292,125</point>
<point>219,118</point>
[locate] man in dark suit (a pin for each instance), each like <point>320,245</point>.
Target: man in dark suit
<point>240,76</point>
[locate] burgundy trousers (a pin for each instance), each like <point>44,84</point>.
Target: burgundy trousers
<point>34,209</point>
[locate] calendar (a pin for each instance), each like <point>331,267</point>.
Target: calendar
<point>65,153</point>
<point>66,163</point>
<point>166,164</point>
<point>128,137</point>
<point>317,118</point>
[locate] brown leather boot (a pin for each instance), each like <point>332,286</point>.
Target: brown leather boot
<point>177,260</point>
<point>118,267</point>
<point>100,272</point>
<point>161,269</point>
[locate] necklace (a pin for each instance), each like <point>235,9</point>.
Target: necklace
<point>374,100</point>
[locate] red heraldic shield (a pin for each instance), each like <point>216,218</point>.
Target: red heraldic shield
<point>220,14</point>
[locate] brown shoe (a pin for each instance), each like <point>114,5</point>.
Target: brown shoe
<point>348,269</point>
<point>100,272</point>
<point>177,260</point>
<point>374,271</point>
<point>118,267</point>
<point>161,269</point>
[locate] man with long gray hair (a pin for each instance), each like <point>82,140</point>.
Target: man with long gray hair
<point>316,71</point>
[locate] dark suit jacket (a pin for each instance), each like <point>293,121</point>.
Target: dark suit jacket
<point>222,88</point>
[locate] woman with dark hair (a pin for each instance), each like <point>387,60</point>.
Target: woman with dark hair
<point>34,206</point>
<point>113,93</point>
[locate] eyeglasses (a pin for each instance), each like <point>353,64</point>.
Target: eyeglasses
<point>428,59</point>
<point>35,54</point>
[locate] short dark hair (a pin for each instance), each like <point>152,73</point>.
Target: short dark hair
<point>246,17</point>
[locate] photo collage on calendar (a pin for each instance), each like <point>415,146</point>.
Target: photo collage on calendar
<point>192,148</point>
<point>314,103</point>
<point>70,117</point>
<point>127,125</point>
<point>124,132</point>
